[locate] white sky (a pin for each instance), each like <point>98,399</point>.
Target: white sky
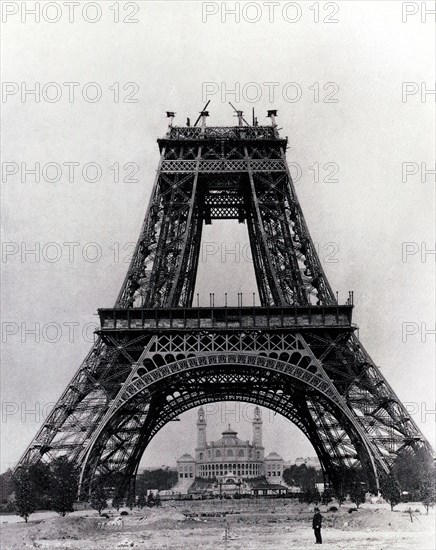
<point>169,54</point>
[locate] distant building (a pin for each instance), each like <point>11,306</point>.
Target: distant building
<point>273,466</point>
<point>262,487</point>
<point>154,468</point>
<point>186,466</point>
<point>229,460</point>
<point>311,461</point>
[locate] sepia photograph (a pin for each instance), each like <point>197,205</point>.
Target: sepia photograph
<point>218,267</point>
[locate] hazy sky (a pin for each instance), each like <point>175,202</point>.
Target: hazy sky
<point>360,222</point>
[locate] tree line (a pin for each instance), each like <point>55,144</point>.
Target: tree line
<point>411,478</point>
<point>54,486</point>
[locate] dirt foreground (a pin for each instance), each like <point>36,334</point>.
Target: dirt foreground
<point>230,525</point>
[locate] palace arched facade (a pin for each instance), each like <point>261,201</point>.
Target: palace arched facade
<point>230,455</point>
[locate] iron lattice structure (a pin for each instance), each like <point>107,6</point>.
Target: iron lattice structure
<point>157,356</point>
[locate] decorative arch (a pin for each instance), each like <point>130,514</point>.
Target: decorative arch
<point>303,396</point>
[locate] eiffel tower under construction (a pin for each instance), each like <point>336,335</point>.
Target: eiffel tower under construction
<point>158,354</point>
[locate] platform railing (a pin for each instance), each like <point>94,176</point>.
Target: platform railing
<point>222,132</point>
<point>226,317</point>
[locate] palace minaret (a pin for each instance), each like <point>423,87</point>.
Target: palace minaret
<point>201,429</point>
<point>257,428</point>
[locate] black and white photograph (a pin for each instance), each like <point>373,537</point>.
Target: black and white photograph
<point>218,275</point>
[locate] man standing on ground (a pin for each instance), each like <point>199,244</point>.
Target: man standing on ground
<point>316,524</point>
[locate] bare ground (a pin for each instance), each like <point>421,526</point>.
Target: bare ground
<point>260,525</point>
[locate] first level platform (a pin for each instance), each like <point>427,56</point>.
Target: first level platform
<point>297,318</point>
